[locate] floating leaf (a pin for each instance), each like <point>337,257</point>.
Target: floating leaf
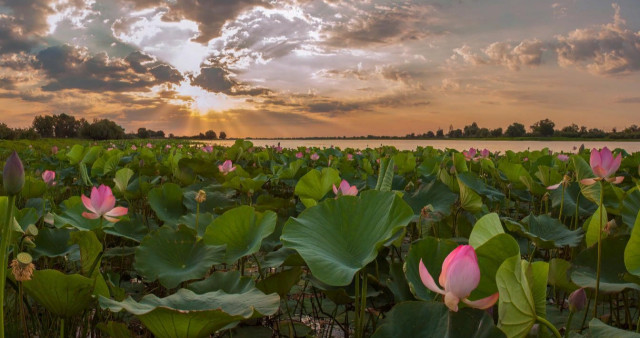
<point>315,184</point>
<point>174,256</point>
<point>346,233</point>
<point>62,295</point>
<point>167,202</point>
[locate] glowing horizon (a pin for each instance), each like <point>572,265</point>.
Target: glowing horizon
<point>303,68</point>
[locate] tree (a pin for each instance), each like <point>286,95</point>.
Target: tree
<point>440,133</point>
<point>65,126</point>
<point>44,125</point>
<point>516,130</point>
<point>104,130</point>
<point>143,133</point>
<point>543,128</point>
<point>6,133</point>
<point>223,135</point>
<point>496,132</point>
<point>471,130</point>
<point>210,135</point>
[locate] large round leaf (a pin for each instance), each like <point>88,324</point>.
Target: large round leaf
<point>583,270</point>
<point>630,207</point>
<point>186,314</point>
<point>632,250</point>
<point>167,202</point>
<point>174,256</point>
<point>63,295</point>
<point>491,254</point>
<point>52,243</point>
<point>436,194</point>
<point>340,236</point>
<point>315,184</point>
<point>599,329</point>
<point>432,251</point>
<point>227,281</point>
<point>522,295</point>
<point>241,229</point>
<point>428,319</point>
<point>547,233</point>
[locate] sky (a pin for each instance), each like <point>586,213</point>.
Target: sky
<point>291,68</point>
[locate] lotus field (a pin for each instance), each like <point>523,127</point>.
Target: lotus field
<point>170,239</point>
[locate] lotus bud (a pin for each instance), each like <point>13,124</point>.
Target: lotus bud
<point>32,230</point>
<point>577,300</point>
<point>610,226</point>
<point>54,150</point>
<point>13,175</point>
<point>22,267</point>
<point>201,196</point>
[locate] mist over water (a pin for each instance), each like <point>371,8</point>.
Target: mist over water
<point>492,145</point>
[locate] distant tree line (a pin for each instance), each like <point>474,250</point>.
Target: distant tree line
<point>67,126</point>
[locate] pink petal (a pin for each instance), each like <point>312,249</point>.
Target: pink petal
<point>111,219</point>
<point>606,158</point>
<point>554,187</point>
<point>446,264</point>
<point>90,215</point>
<point>87,203</point>
<point>451,300</point>
<point>118,211</point>
<point>616,180</point>
<point>232,169</point>
<point>427,280</point>
<point>594,161</point>
<point>463,274</point>
<point>588,181</point>
<point>600,171</point>
<point>353,191</point>
<point>483,303</point>
<point>108,202</point>
<point>344,186</point>
<point>335,189</point>
<point>615,164</point>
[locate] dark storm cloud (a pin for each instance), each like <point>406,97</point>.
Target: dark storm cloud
<point>70,67</point>
<point>29,15</point>
<point>218,80</point>
<point>12,40</point>
<point>210,15</point>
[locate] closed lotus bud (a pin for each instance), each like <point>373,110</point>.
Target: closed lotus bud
<point>13,175</point>
<point>610,226</point>
<point>201,196</point>
<point>577,300</point>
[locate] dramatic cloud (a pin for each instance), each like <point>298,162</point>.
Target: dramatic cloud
<point>69,67</point>
<point>512,56</point>
<point>608,49</point>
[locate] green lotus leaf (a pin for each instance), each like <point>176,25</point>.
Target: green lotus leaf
<point>338,237</point>
<point>315,184</point>
<point>241,229</point>
<point>72,215</point>
<point>630,207</point>
<point>187,314</point>
<point>594,225</point>
<point>428,319</point>
<point>227,281</point>
<point>166,201</point>
<point>583,269</point>
<point>280,282</point>
<point>485,228</point>
<point>63,295</point>
<point>434,193</point>
<point>632,251</point>
<point>599,329</point>
<point>547,233</point>
<point>52,243</point>
<point>518,301</point>
<point>174,256</point>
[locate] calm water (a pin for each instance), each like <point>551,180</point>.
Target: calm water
<point>556,146</point>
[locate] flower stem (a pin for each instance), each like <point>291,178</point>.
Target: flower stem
<point>549,326</point>
<point>595,308</point>
<point>568,326</point>
<point>4,243</point>
<point>561,203</point>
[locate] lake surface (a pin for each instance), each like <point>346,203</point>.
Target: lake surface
<point>492,145</point>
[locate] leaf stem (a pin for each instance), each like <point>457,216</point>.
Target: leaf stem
<point>595,308</point>
<point>549,326</point>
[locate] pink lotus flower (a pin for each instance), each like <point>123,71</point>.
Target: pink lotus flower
<point>179,146</point>
<point>307,150</point>
<point>109,149</point>
<point>315,156</point>
<point>358,152</point>
<point>460,275</point>
<point>604,165</point>
<point>278,149</point>
<point>54,150</point>
<point>149,145</point>
<point>207,149</point>
<point>299,154</point>
<point>133,147</point>
<point>485,153</point>
<point>226,167</point>
<point>563,157</point>
<point>469,155</point>
<point>102,204</point>
<point>49,177</point>
<point>526,159</point>
<point>345,189</point>
<point>168,146</point>
<point>349,157</point>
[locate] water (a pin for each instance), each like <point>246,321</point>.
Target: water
<point>492,145</point>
